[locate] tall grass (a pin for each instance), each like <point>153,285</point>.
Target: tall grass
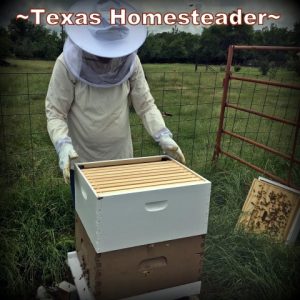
<point>36,225</point>
<point>36,233</point>
<point>239,265</point>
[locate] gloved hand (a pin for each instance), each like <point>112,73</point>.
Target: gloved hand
<point>66,153</point>
<point>170,148</point>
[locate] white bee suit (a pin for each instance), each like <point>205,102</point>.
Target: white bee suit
<point>97,119</point>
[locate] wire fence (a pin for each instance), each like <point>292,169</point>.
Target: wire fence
<point>189,101</point>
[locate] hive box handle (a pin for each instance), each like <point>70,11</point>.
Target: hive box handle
<point>152,263</point>
<point>156,206</point>
<point>83,193</point>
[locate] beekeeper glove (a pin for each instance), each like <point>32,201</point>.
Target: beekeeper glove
<point>66,152</point>
<point>169,146</point>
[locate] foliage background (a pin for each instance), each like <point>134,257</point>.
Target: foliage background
<point>36,223</point>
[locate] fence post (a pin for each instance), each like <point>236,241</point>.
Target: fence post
<point>224,101</point>
<point>294,149</point>
<point>30,128</point>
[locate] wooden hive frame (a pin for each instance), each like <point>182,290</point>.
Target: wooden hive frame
<point>269,209</point>
<point>137,175</point>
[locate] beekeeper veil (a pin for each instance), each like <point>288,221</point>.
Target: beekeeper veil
<point>97,71</point>
<point>102,55</point>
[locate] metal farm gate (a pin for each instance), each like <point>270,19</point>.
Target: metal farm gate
<point>228,105</point>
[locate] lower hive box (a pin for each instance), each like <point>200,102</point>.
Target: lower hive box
<point>138,270</point>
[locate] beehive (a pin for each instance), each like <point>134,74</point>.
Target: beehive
<point>133,202</point>
<point>140,225</point>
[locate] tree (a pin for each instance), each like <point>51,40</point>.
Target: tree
<point>5,45</point>
<point>33,41</point>
<point>216,39</point>
<point>214,43</point>
<point>273,36</point>
<point>152,49</point>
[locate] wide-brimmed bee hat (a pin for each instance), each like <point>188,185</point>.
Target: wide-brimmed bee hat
<point>104,39</point>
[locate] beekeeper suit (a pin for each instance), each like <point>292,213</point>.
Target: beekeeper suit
<point>93,83</point>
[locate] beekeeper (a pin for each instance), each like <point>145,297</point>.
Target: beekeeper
<point>92,85</point>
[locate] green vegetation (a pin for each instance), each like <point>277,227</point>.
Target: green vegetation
<point>36,224</point>
<point>239,265</point>
<point>23,39</point>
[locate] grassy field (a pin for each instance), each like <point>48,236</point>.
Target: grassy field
<point>36,214</point>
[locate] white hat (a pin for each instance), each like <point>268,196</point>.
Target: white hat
<point>106,40</point>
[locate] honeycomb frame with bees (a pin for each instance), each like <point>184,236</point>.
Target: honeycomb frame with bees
<point>272,209</point>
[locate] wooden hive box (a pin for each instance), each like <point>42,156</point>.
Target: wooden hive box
<point>139,270</point>
<point>134,202</point>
